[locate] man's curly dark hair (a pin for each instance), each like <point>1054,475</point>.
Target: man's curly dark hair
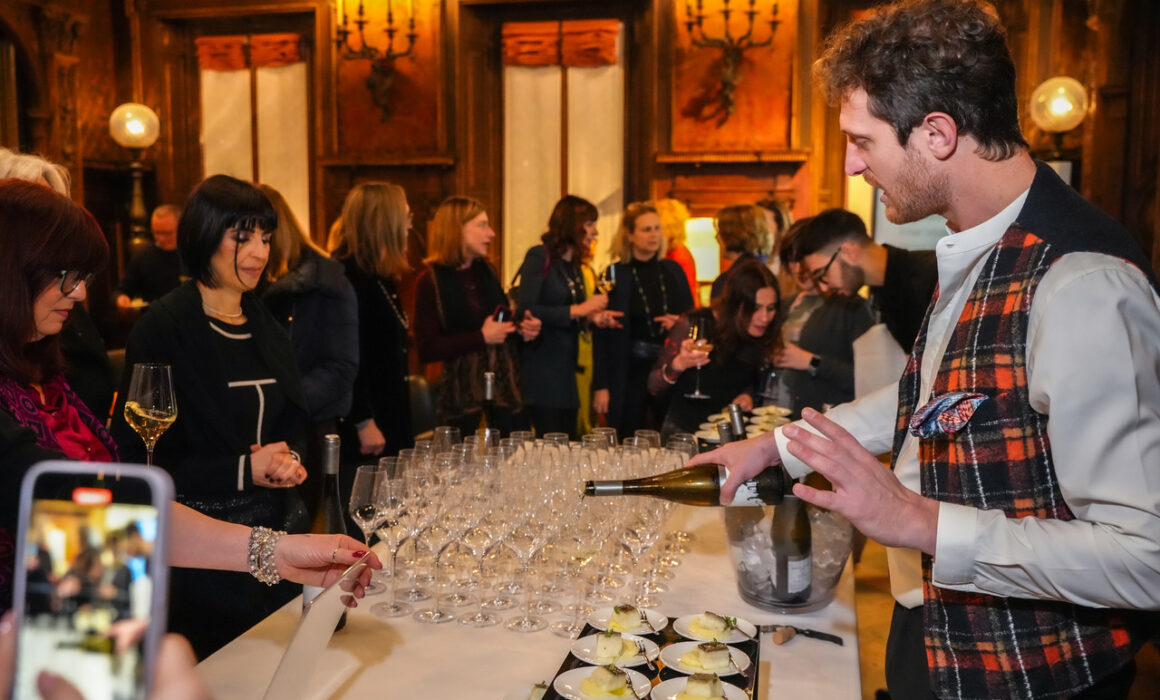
<point>915,57</point>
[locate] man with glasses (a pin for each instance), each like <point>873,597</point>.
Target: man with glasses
<point>839,256</point>
<point>1022,513</point>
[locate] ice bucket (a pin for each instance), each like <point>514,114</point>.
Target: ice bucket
<point>755,563</point>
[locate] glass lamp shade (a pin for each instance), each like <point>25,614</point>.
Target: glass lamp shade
<point>134,125</point>
<point>1059,104</point>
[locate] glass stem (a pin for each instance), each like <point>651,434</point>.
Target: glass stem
<point>394,577</point>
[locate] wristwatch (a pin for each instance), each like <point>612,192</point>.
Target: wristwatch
<point>815,362</point>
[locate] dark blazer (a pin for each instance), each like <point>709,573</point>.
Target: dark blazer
<point>380,391</point>
<point>548,363</point>
<point>908,285</point>
<point>202,448</point>
<point>611,347</point>
<point>316,304</point>
<point>829,333</point>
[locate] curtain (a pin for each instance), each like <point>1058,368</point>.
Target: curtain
<point>269,143</point>
<point>563,127</point>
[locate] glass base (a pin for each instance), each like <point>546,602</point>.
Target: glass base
<point>395,609</point>
<point>526,624</point>
<point>500,602</point>
<point>455,600</point>
<point>479,619</point>
<point>545,606</point>
<point>433,617</point>
<point>564,628</point>
<point>415,594</point>
<point>375,587</point>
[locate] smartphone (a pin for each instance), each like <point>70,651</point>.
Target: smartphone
<point>502,314</point>
<point>91,577</point>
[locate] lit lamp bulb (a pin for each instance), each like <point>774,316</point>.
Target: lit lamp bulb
<point>1059,104</point>
<point>134,126</point>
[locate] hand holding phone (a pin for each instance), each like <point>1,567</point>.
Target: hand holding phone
<point>91,579</point>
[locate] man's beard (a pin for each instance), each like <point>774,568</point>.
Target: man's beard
<point>853,277</point>
<point>918,192</point>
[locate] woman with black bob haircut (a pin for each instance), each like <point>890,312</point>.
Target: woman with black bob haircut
<point>743,328</point>
<point>240,402</point>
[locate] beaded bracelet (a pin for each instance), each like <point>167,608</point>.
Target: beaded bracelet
<point>261,551</point>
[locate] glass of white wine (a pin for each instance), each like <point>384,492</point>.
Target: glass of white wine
<point>697,332</point>
<point>150,406</point>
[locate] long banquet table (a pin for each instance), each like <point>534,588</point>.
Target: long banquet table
<point>402,658</point>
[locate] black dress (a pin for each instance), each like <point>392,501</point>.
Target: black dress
<point>235,385</point>
<point>623,357</point>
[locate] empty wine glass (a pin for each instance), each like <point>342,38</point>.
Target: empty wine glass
<point>525,540</point>
<point>150,407</point>
<point>392,531</point>
<point>366,512</point>
<point>444,437</point>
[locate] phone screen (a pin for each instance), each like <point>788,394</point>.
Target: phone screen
<point>90,577</point>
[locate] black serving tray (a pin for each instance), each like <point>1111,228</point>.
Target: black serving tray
<point>747,680</point>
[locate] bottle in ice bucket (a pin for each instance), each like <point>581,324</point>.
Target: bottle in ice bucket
<point>791,537</point>
<point>328,518</point>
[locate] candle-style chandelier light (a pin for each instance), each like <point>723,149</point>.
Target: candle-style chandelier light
<point>732,48</point>
<point>382,60</point>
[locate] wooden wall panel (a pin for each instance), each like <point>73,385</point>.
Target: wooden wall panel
<point>410,88</point>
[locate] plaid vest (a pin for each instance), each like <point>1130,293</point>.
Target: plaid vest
<point>982,646</point>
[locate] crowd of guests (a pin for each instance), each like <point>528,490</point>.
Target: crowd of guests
<point>275,341</point>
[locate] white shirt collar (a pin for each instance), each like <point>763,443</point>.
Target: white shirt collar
<point>986,234</point>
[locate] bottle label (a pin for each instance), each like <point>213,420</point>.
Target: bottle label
<point>747,495</point>
<point>798,574</point>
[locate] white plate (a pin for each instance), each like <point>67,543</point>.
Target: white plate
<point>568,683</point>
<point>585,650</point>
<point>520,694</point>
<point>745,630</point>
<point>709,435</point>
<point>671,656</point>
<point>771,410</point>
<point>600,617</point>
<point>668,690</point>
<point>718,417</point>
<point>708,426</point>
<point>755,430</point>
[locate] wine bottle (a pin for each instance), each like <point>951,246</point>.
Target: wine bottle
<point>488,399</point>
<point>328,519</point>
<point>698,485</point>
<point>792,544</point>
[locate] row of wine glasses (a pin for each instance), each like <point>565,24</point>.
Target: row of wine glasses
<point>504,527</point>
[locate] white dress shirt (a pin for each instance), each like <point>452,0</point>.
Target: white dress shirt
<point>1093,365</point>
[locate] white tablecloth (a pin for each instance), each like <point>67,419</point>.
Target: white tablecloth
<point>402,658</point>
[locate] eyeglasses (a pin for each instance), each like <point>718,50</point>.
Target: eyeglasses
<point>818,276</point>
<point>71,279</point>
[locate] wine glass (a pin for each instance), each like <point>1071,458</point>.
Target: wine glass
<point>697,331</point>
<point>392,530</point>
<point>150,407</point>
<point>607,280</point>
<point>366,511</point>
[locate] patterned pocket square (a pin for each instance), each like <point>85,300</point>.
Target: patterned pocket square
<point>945,414</point>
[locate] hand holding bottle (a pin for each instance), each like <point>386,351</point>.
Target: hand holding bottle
<point>868,494</point>
<point>745,459</point>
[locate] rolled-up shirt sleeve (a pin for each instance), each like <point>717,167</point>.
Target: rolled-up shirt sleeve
<point>1093,358</point>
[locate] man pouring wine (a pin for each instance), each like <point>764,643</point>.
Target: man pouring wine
<point>1025,431</point>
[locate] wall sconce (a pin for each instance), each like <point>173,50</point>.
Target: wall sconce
<point>1059,105</point>
<point>732,49</point>
<point>135,127</point>
<point>382,61</point>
